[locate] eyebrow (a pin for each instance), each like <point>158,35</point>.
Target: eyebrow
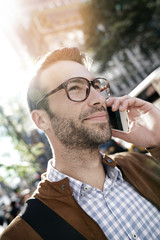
<point>75,79</point>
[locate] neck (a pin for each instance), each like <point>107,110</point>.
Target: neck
<point>82,164</point>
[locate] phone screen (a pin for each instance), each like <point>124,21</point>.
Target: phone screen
<point>115,119</point>
<point>118,120</point>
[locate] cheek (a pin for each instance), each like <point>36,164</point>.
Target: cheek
<point>66,110</point>
<point>60,104</point>
<point>57,103</point>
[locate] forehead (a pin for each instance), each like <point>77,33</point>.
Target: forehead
<point>61,71</point>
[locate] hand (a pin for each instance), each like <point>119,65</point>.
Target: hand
<point>144,121</point>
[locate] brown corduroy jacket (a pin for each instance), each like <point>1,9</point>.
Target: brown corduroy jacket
<point>140,170</point>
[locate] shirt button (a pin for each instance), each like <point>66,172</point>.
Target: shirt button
<point>134,236</point>
<point>63,186</point>
<point>85,188</point>
<point>109,160</point>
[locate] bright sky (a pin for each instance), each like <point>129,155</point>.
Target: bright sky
<point>12,75</point>
<point>12,78</point>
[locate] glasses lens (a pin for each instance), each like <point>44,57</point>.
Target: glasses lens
<point>77,89</point>
<point>102,86</point>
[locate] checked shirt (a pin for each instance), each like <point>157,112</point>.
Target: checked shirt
<point>119,210</point>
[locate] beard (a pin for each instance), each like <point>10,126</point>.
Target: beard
<point>75,134</point>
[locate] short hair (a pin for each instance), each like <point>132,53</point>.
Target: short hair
<point>35,92</point>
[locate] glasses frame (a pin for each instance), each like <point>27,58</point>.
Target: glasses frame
<point>64,86</point>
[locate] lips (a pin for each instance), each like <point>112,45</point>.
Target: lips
<point>98,117</point>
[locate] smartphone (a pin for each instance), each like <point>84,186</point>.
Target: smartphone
<point>118,120</point>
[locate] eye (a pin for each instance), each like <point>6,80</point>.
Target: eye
<point>76,85</point>
<point>97,85</point>
<point>74,88</point>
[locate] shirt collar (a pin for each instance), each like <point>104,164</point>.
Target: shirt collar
<point>54,175</point>
<point>113,172</point>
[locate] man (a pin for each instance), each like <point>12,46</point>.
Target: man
<point>86,195</point>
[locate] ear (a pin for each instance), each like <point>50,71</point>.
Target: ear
<point>41,119</point>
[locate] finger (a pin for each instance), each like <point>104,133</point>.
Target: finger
<point>110,101</point>
<point>134,102</point>
<point>116,102</point>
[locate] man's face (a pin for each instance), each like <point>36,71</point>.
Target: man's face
<point>75,124</point>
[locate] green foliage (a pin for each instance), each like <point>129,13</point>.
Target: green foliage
<point>21,170</point>
<point>13,125</point>
<point>113,25</point>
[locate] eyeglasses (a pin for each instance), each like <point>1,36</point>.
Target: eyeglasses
<point>78,89</point>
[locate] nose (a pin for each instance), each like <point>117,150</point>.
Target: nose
<point>95,98</point>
